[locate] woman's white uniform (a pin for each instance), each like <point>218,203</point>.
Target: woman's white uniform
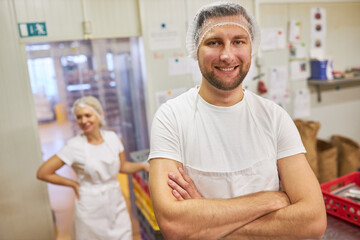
<point>227,151</point>
<point>101,211</point>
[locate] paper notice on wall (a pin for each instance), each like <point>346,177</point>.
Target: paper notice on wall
<point>297,50</point>
<point>178,66</point>
<point>280,96</point>
<point>302,103</point>
<point>318,28</point>
<point>163,96</point>
<point>298,70</point>
<point>277,78</point>
<point>272,39</point>
<point>164,38</point>
<point>294,31</point>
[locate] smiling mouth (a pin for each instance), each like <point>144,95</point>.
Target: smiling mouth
<point>228,69</point>
<point>86,126</point>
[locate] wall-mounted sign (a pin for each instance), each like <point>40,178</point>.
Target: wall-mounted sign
<point>35,29</point>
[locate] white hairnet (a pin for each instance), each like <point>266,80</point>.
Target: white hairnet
<point>92,103</point>
<point>205,20</point>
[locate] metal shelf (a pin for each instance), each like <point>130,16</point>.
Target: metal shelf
<point>319,83</point>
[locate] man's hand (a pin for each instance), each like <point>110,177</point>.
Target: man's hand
<point>183,186</point>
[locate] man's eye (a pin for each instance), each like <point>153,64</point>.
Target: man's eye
<point>213,43</point>
<point>238,42</point>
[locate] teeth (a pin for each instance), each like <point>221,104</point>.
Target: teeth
<point>227,69</point>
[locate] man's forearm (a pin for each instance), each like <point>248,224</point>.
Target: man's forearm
<point>305,218</point>
<point>292,222</point>
<point>212,219</point>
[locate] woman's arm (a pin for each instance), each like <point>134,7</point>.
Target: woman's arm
<point>131,167</point>
<point>47,173</point>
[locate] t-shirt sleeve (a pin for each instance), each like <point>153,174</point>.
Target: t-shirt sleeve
<point>288,138</point>
<point>66,154</point>
<point>117,143</point>
<point>164,139</point>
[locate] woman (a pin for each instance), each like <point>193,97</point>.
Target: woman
<point>96,156</point>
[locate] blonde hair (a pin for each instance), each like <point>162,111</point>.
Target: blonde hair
<point>92,103</point>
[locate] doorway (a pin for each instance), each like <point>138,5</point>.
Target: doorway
<point>60,73</point>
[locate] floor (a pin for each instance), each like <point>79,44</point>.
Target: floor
<point>53,136</point>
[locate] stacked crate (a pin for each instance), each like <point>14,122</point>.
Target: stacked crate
<point>149,227</point>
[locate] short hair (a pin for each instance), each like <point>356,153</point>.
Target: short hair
<point>92,102</point>
<point>199,24</point>
<point>230,9</point>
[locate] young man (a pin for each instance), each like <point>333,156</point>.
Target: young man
<point>234,147</point>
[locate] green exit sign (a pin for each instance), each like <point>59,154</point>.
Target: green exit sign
<point>35,29</point>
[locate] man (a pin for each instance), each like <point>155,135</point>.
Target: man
<point>218,152</point>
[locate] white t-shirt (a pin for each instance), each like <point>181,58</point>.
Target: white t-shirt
<point>101,211</point>
<point>244,139</point>
<point>93,164</point>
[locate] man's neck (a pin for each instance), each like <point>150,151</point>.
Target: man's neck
<point>219,97</point>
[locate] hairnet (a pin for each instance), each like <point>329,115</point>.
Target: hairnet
<point>205,20</point>
<point>92,103</point>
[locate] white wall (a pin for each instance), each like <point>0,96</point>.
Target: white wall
<point>64,19</point>
<point>339,110</point>
<point>172,13</point>
<point>24,205</point>
<point>175,14</point>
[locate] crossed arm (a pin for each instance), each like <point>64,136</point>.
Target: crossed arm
<point>299,213</point>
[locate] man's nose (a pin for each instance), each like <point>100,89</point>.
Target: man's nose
<point>226,53</point>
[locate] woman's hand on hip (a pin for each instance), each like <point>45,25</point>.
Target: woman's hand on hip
<point>76,187</point>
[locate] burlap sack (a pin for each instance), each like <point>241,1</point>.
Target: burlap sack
<point>348,154</point>
<point>308,131</point>
<point>327,161</point>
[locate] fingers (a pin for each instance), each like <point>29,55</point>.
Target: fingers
<point>192,189</point>
<point>177,195</point>
<point>146,167</point>
<point>76,190</point>
<point>76,193</point>
<point>185,176</point>
<point>184,185</point>
<point>180,181</point>
<point>178,190</point>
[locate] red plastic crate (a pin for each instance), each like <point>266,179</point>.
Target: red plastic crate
<point>142,183</point>
<point>338,206</point>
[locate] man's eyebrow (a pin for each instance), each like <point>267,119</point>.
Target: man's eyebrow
<point>212,39</point>
<point>217,38</point>
<point>242,36</point>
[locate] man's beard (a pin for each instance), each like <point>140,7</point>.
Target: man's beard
<point>216,82</point>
